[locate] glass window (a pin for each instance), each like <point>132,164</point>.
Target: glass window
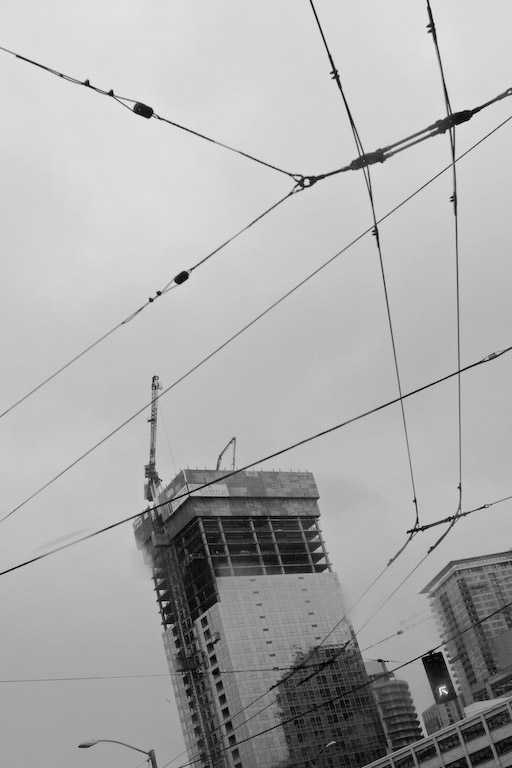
<point>460,763</point>
<point>450,742</point>
<point>481,756</point>
<point>426,753</point>
<point>501,718</point>
<point>503,746</point>
<point>473,732</point>
<point>404,762</point>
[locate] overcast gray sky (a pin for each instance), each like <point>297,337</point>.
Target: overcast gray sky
<point>101,208</point>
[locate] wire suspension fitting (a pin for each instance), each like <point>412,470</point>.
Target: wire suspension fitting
<point>380,155</point>
<point>301,181</point>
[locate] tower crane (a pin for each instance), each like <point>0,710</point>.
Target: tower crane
<point>151,486</point>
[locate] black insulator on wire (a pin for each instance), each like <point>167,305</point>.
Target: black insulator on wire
<point>143,110</point>
<point>179,279</point>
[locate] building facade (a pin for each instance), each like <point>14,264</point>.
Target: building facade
<point>464,592</point>
<point>439,716</point>
<point>396,707</point>
<point>482,739</point>
<point>268,669</point>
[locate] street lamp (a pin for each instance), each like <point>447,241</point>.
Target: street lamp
<point>326,746</point>
<point>93,742</point>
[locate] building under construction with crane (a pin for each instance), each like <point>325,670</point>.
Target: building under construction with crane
<point>268,668</point>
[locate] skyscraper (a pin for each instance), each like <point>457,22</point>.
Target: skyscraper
<point>395,704</point>
<point>253,624</point>
<point>464,592</point>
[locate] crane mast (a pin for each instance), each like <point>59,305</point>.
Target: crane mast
<point>152,479</point>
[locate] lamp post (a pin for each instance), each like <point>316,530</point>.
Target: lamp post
<point>326,746</point>
<point>93,742</point>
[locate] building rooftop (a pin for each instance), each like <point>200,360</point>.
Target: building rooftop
<point>453,565</point>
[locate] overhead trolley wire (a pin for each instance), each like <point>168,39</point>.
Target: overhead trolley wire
<point>452,520</point>
<point>362,161</point>
<point>431,29</point>
<point>297,444</point>
<point>393,593</point>
<point>381,155</point>
<point>301,182</point>
<point>180,278</point>
<point>140,108</point>
<point>462,514</point>
<point>133,677</point>
<point>395,634</point>
<point>252,322</point>
<point>375,232</point>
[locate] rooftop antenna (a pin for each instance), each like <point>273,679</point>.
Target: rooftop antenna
<point>152,484</point>
<point>221,454</point>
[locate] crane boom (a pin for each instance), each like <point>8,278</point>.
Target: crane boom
<point>152,479</point>
<point>219,460</point>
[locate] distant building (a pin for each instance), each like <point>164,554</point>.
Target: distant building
<point>464,592</point>
<point>396,707</point>
<point>440,716</point>
<point>482,739</point>
<point>268,669</point>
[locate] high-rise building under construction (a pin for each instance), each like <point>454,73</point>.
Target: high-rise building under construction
<point>268,668</point>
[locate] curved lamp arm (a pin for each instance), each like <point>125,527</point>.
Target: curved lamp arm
<point>93,742</point>
<point>329,744</point>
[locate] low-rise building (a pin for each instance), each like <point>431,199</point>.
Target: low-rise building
<point>439,716</point>
<point>482,739</point>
